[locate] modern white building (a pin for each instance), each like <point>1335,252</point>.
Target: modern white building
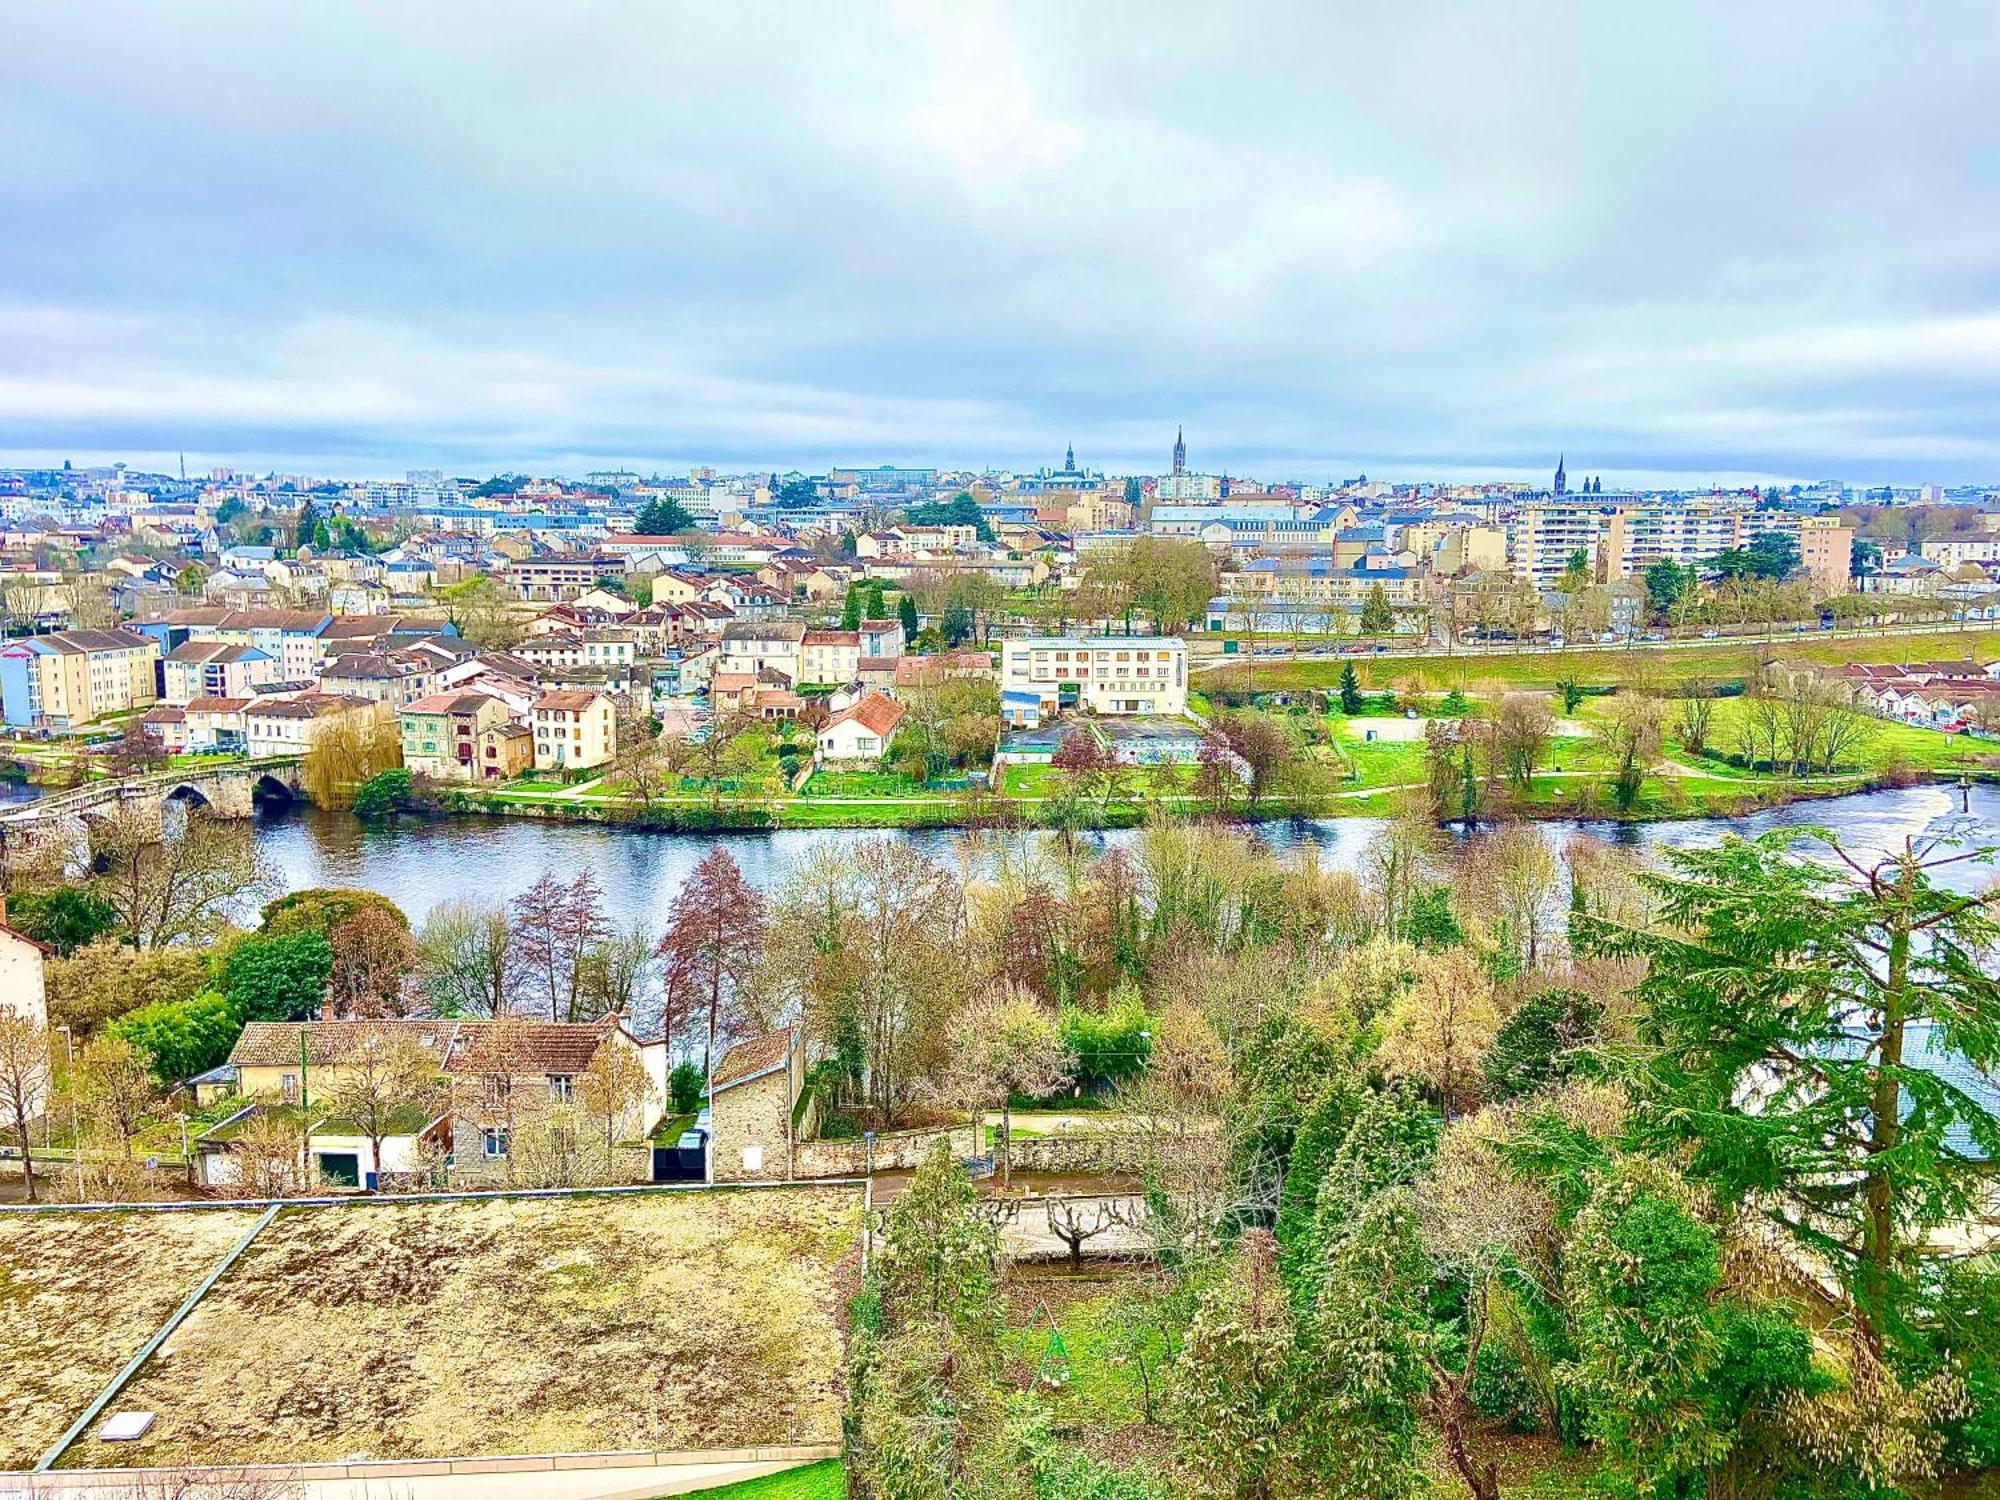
<point>1103,674</point>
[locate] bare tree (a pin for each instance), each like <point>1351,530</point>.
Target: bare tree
<point>175,878</point>
<point>466,955</point>
<point>24,1084</point>
<point>1002,1045</point>
<point>554,927</point>
<point>1077,1221</point>
<point>383,1076</point>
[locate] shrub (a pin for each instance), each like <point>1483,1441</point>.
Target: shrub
<point>278,976</point>
<point>65,918</point>
<point>181,1037</point>
<point>107,979</point>
<point>1109,1045</point>
<point>384,794</point>
<point>685,1086</point>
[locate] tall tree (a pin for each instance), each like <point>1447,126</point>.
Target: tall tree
<point>464,951</point>
<point>554,926</point>
<point>25,1076</point>
<point>715,932</point>
<point>1813,1021</point>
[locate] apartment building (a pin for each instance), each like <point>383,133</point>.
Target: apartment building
<point>464,737</point>
<point>761,645</point>
<point>615,647</point>
<point>575,729</point>
<point>215,669</point>
<point>76,677</point>
<point>561,577</point>
<point>1103,674</point>
<point>290,637</point>
<point>1826,552</point>
<point>1637,536</point>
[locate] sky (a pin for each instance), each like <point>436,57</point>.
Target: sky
<point>1712,242</point>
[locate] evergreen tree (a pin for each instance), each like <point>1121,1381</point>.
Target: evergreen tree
<point>304,534</point>
<point>1350,689</point>
<point>1815,1030</point>
<point>906,612</point>
<point>1377,618</point>
<point>850,608</point>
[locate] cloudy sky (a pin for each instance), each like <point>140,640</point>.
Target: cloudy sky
<point>1409,239</point>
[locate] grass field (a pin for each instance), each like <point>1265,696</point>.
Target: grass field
<point>820,1481</point>
<point>1724,660</point>
<point>482,1327</point>
<point>79,1293</point>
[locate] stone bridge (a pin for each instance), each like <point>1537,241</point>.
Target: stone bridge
<point>227,789</point>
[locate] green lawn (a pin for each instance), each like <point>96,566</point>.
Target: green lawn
<point>861,784</point>
<point>1722,660</point>
<point>1029,781</point>
<point>821,1481</point>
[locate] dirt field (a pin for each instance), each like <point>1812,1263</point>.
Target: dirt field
<point>79,1293</point>
<point>508,1326</point>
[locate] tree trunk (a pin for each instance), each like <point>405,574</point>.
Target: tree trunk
<point>1006,1142</point>
<point>28,1160</point>
<point>1886,1128</point>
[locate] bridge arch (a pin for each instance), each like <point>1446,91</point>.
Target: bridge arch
<point>190,797</point>
<point>273,792</point>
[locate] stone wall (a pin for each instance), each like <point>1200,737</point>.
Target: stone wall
<point>894,1151</point>
<point>1085,1155</point>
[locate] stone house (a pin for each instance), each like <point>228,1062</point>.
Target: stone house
<point>755,1109</point>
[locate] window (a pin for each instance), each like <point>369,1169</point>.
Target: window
<point>493,1143</point>
<point>753,1158</point>
<point>561,1086</point>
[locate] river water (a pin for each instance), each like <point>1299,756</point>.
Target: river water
<point>418,865</point>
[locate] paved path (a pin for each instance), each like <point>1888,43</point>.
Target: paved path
<point>566,1484</point>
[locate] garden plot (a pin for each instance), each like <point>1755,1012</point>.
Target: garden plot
<point>483,1327</point>
<point>79,1294</point>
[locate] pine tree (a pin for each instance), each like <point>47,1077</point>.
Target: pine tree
<point>906,612</point>
<point>1350,690</point>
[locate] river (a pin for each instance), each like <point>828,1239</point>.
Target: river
<point>418,865</point>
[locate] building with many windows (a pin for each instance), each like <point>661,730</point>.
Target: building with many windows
<point>575,729</point>
<point>76,677</point>
<point>1103,674</point>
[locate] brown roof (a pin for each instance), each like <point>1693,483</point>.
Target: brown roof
<point>217,705</point>
<point>751,1059</point>
<point>833,638</point>
<point>513,1047</point>
<point>567,701</point>
<point>518,1047</point>
<point>877,713</point>
<point>276,1044</point>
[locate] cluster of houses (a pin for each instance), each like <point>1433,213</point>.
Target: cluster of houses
<point>492,1077</point>
<point>1953,696</point>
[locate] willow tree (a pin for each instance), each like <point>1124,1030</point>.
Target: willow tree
<point>1821,1030</point>
<point>346,752</point>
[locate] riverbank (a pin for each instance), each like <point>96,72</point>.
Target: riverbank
<point>1554,796</point>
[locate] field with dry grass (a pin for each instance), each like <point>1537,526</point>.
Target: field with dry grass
<point>79,1293</point>
<point>484,1327</point>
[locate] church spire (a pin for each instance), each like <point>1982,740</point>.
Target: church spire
<point>1069,459</point>
<point>1562,480</point>
<point>1180,451</point>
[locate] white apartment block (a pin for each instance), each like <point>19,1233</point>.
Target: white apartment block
<point>1104,674</point>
